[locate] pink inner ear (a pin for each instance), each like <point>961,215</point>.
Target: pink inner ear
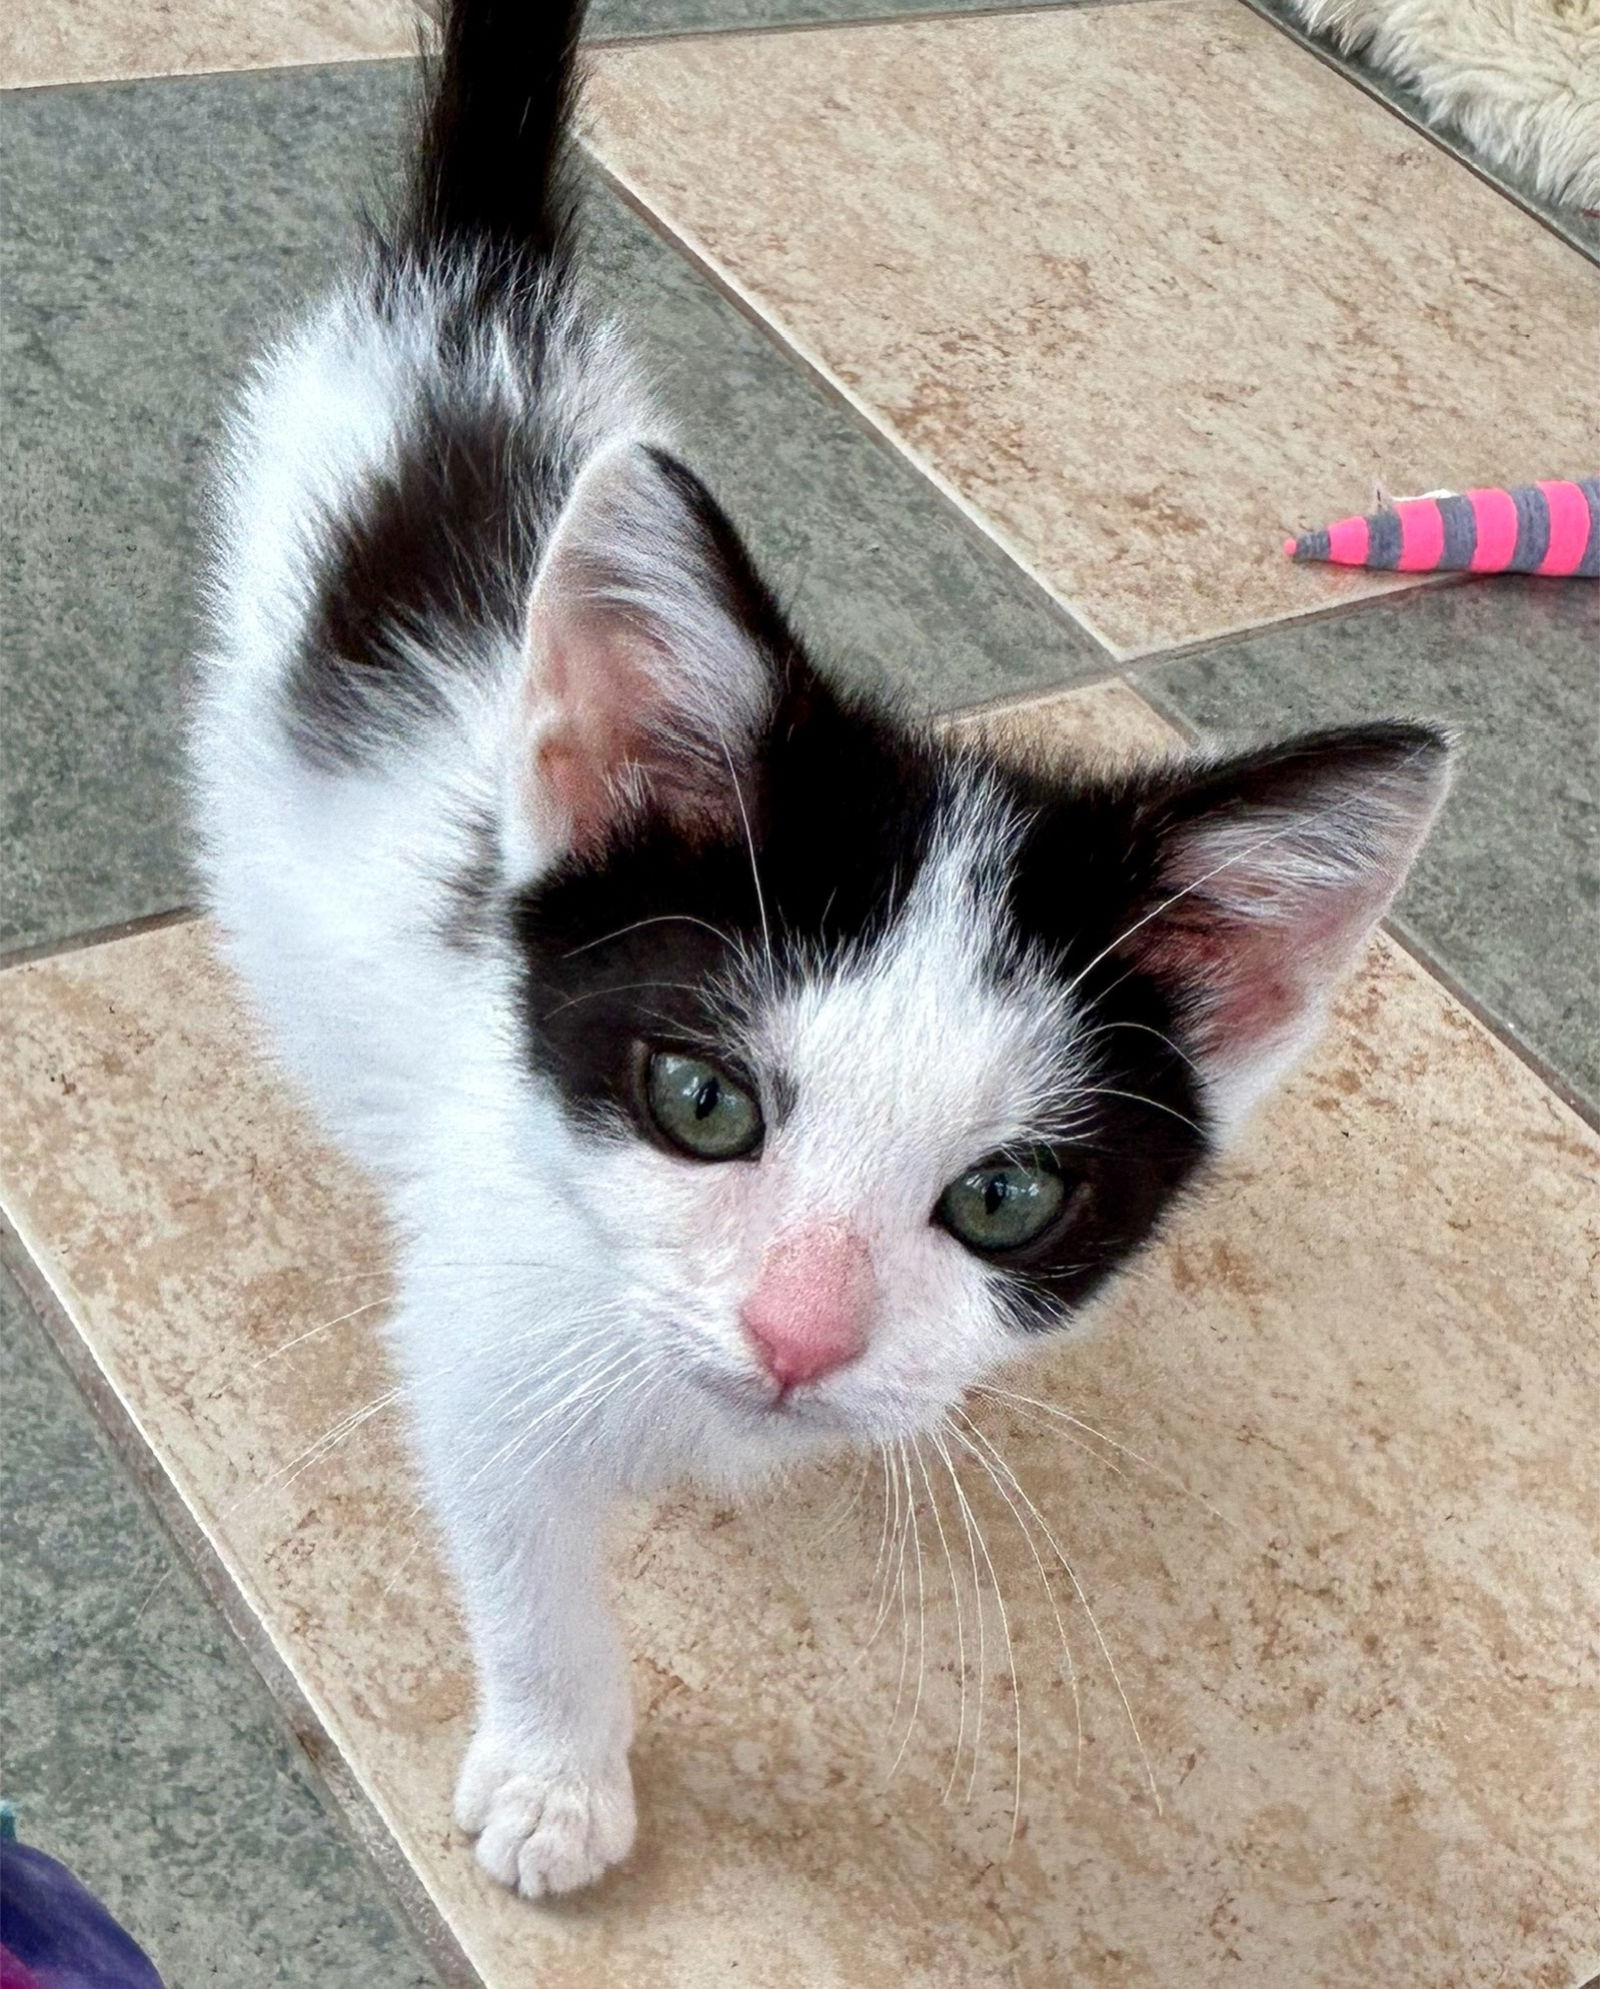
<point>1252,980</point>
<point>593,699</point>
<point>646,682</point>
<point>1252,951</point>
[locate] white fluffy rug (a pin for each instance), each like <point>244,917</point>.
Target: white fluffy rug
<point>1519,79</point>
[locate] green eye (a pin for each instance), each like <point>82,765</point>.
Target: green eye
<point>700,1108</point>
<point>1003,1202</point>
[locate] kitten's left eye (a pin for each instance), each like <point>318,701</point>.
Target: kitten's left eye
<point>700,1109</point>
<point>1003,1202</point>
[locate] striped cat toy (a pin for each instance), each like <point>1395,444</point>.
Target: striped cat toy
<point>1549,528</point>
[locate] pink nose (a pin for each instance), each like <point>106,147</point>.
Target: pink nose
<point>812,1304</point>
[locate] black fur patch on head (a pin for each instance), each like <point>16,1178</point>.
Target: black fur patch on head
<point>639,941</point>
<point>636,946</point>
<point>1136,1129</point>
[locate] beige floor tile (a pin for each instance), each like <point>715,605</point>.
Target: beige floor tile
<point>1143,287</point>
<point>1365,1677</point>
<point>90,41</point>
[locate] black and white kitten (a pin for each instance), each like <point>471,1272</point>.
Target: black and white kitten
<point>748,1068</point>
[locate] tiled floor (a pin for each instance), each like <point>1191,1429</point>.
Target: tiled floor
<point>1139,284</point>
<point>138,1741</point>
<point>1365,1679</point>
<point>1138,388</point>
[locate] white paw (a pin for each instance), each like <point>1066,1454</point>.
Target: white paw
<point>540,1829</point>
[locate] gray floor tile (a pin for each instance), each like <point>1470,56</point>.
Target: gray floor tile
<point>609,18</point>
<point>1580,229</point>
<point>157,229</point>
<point>140,1746</point>
<point>1506,896</point>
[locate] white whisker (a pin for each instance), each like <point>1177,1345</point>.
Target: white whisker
<point>312,1332</point>
<point>1011,1661</point>
<point>969,1524</point>
<point>1044,1581</point>
<point>961,1635</point>
<point>1078,1590</point>
<point>922,1617</point>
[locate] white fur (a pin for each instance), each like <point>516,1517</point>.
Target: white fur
<point>1520,79</point>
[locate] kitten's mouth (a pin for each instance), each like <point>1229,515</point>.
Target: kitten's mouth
<point>763,1401</point>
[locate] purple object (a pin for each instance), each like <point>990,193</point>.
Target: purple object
<point>12,1973</point>
<point>55,1935</point>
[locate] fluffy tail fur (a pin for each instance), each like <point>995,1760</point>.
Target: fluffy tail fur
<point>492,167</point>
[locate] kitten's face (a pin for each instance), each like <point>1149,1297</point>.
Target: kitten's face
<point>869,1129</point>
<point>879,1053</point>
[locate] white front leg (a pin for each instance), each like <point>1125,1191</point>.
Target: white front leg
<point>545,1786</point>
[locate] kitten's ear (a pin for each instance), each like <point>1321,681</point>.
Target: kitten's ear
<point>1270,871</point>
<point>655,656</point>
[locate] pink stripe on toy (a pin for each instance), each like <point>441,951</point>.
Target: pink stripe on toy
<point>1569,528</point>
<point>1347,542</point>
<point>1421,534</point>
<point>1496,514</point>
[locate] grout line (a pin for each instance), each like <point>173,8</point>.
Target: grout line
<point>136,76</point>
<point>1378,87</point>
<point>824,24</point>
<point>1343,609</point>
<point>100,935</point>
<point>1017,701</point>
<point>29,1263</point>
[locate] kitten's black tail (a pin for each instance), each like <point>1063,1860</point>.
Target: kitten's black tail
<point>492,168</point>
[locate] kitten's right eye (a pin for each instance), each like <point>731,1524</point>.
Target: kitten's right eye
<point>700,1109</point>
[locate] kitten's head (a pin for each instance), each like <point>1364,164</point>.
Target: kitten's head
<point>882,1051</point>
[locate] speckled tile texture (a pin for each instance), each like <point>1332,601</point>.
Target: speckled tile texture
<point>1359,1647</point>
<point>140,1747</point>
<point>157,231</point>
<point>1506,897</point>
<point>1145,287</point>
<point>94,40</point>
<point>87,41</point>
